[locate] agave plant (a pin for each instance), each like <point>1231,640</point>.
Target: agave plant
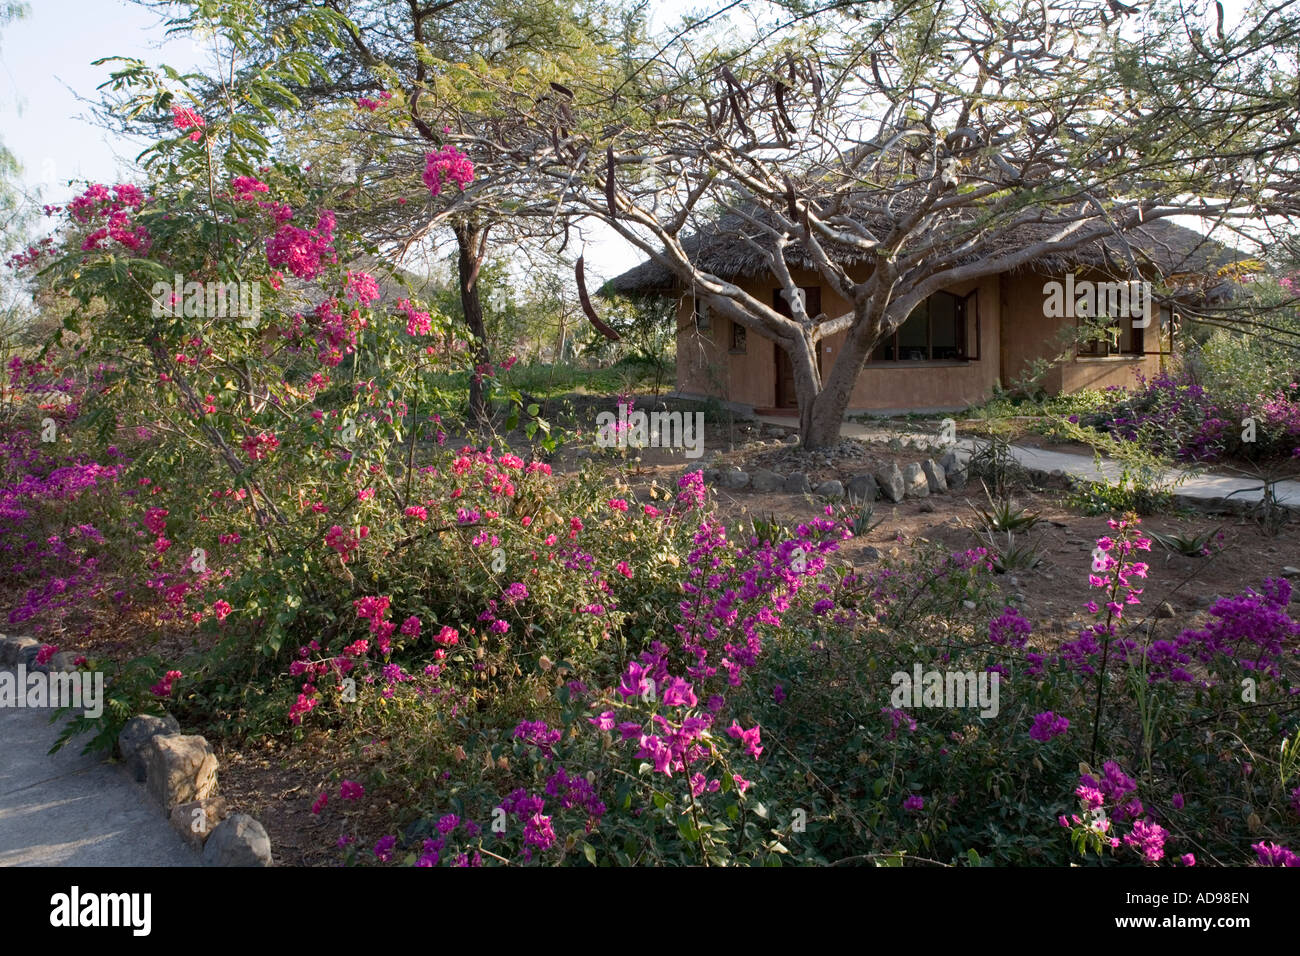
<point>861,515</point>
<point>1187,544</point>
<point>1005,516</point>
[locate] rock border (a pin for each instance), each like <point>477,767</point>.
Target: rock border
<point>178,770</point>
<point>890,483</point>
<point>929,476</point>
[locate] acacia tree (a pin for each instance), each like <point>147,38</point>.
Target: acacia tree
<point>930,146</point>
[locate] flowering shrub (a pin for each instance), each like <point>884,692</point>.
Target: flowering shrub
<point>1177,417</point>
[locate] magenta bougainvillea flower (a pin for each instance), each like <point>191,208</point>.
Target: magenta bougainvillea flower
<point>448,164</point>
<point>184,118</point>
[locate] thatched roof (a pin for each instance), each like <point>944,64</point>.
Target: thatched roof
<point>722,249</point>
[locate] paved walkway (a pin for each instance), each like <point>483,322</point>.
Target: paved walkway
<point>68,810</point>
<point>1202,487</point>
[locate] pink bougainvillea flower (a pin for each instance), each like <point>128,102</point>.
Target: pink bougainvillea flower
<point>448,164</point>
<point>361,288</point>
<point>351,790</point>
<point>164,686</point>
<point>184,118</point>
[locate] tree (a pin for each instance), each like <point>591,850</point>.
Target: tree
<point>929,145</point>
<point>410,78</point>
<point>15,217</point>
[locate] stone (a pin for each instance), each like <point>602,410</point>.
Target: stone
<point>1290,572</point>
<point>890,480</point>
<point>27,655</point>
<point>1207,600</point>
<point>238,840</point>
<point>870,554</point>
<point>62,662</point>
<point>11,649</point>
<point>915,484</point>
<point>735,479</point>
<point>196,819</point>
<point>712,475</point>
<point>766,480</point>
<point>179,768</point>
<point>1164,610</point>
<point>797,484</point>
<point>792,438</point>
<point>830,489</point>
<point>934,476</point>
<point>863,488</point>
<point>954,469</point>
<point>137,733</point>
<point>926,507</point>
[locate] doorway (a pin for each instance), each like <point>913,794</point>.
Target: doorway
<point>784,376</point>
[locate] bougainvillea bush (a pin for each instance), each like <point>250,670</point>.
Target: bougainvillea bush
<point>761,727</point>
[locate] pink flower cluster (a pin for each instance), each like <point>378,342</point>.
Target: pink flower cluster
<point>164,686</point>
<point>258,446</point>
<point>246,188</point>
<point>184,118</point>
<point>303,251</point>
<point>339,331</point>
<point>447,165</point>
<point>417,322</point>
<point>366,103</point>
<point>361,288</point>
<point>96,202</point>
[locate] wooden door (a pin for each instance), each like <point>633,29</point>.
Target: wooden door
<point>785,396</point>
<point>785,392</point>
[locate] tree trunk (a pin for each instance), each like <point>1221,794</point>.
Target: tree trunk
<point>470,245</point>
<point>822,404</point>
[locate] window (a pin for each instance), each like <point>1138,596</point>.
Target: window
<point>1124,339</point>
<point>737,337</point>
<point>936,331</point>
<point>703,321</point>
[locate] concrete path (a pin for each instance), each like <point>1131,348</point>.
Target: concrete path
<point>1202,487</point>
<point>70,810</point>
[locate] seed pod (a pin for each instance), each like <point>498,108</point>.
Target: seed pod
<point>609,182</point>
<point>587,307</point>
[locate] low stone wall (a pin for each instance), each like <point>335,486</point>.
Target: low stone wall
<point>178,770</point>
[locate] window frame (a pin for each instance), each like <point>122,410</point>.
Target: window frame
<point>1136,349</point>
<point>738,338</point>
<point>965,307</point>
<point>703,318</point>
